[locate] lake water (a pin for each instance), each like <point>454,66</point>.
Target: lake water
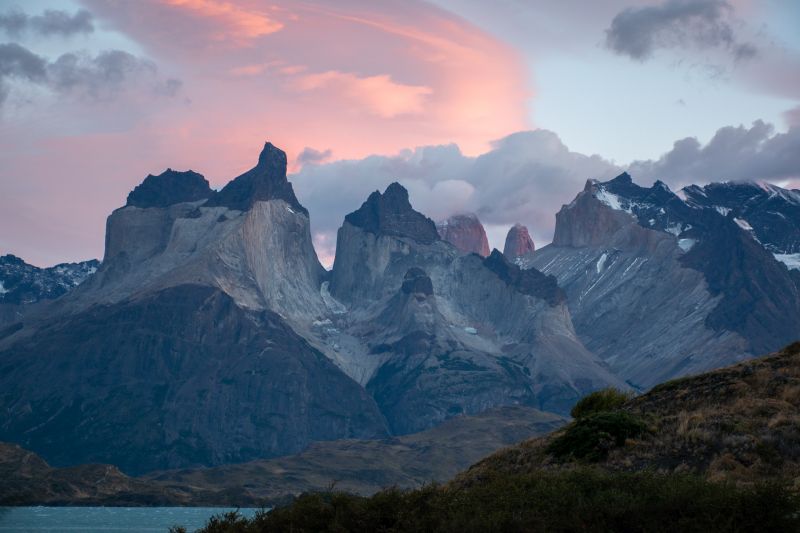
<point>102,519</point>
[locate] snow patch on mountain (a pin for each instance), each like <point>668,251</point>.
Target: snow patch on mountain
<point>610,199</point>
<point>601,262</point>
<point>792,261</point>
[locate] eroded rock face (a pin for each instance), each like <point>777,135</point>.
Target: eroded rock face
<point>519,243</point>
<point>466,233</point>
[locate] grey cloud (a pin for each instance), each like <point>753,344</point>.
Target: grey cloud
<point>20,63</point>
<point>526,177</point>
<point>734,153</point>
<point>97,77</point>
<point>50,22</point>
<point>639,32</point>
<point>13,22</point>
<point>312,156</point>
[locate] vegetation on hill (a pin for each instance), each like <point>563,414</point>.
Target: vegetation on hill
<point>584,499</point>
<point>714,452</point>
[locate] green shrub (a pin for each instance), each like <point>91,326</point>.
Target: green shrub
<point>583,499</point>
<point>591,437</point>
<point>609,399</point>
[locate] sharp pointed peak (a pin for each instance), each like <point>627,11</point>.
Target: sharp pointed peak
<point>391,213</point>
<point>266,181</point>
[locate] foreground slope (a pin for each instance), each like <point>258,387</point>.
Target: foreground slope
<point>714,452</point>
<point>740,424</point>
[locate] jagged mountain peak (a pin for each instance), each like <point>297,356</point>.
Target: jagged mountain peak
<point>465,232</point>
<point>272,156</point>
<point>623,178</point>
<point>771,213</point>
<point>518,243</point>
<point>266,181</point>
<point>630,193</point>
<point>169,188</point>
<point>391,213</point>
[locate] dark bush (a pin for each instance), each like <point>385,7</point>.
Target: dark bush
<point>609,399</point>
<point>593,436</point>
<point>583,499</point>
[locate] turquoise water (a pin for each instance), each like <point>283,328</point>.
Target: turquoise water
<point>105,519</point>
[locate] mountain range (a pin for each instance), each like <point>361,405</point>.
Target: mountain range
<point>211,334</point>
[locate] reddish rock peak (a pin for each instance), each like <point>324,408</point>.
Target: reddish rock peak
<point>518,243</point>
<point>466,233</point>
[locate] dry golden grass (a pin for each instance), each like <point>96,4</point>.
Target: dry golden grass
<point>740,423</point>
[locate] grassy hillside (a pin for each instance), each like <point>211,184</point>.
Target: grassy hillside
<point>738,424</point>
<point>714,452</point>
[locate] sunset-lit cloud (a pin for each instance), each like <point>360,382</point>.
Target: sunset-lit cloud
<point>352,77</point>
<point>235,23</point>
<point>380,94</point>
<point>349,87</point>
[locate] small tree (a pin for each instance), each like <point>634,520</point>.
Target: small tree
<point>604,400</point>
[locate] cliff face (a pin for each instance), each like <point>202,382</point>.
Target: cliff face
<point>466,233</point>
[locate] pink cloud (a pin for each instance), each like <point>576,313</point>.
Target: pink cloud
<point>355,76</point>
<point>236,23</point>
<point>380,94</point>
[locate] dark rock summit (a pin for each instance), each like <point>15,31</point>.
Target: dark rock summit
<point>266,181</point>
<point>529,281</point>
<point>518,243</point>
<point>466,233</point>
<point>391,213</point>
<point>169,188</point>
